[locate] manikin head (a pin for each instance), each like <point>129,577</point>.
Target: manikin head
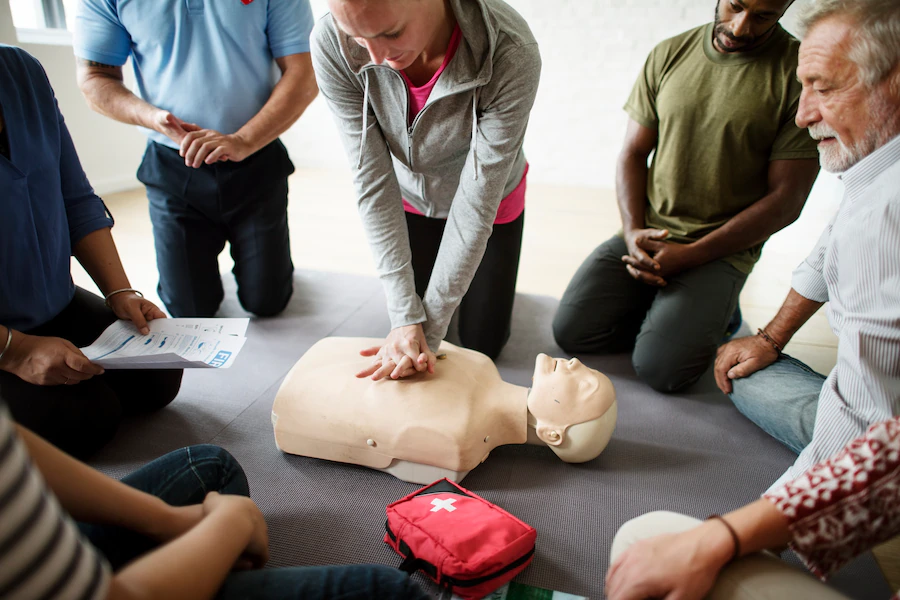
<point>394,32</point>
<point>743,25</point>
<point>571,407</point>
<point>849,66</point>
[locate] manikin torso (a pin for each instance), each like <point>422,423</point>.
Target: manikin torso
<point>423,427</point>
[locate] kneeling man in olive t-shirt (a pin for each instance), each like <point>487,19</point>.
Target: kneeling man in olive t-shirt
<point>716,107</point>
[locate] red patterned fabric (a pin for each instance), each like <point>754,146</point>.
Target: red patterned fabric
<point>847,504</point>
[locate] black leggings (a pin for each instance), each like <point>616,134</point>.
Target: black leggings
<point>81,418</point>
<point>485,313</point>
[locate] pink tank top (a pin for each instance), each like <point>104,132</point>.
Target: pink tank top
<point>510,207</point>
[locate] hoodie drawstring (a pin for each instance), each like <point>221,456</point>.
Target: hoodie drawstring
<point>365,120</point>
<point>475,132</point>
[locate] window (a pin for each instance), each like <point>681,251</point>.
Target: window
<point>44,21</point>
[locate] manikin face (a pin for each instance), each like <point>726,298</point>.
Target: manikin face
<point>394,32</point>
<point>742,25</point>
<point>565,393</point>
<point>849,119</point>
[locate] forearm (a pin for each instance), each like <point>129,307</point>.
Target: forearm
<point>7,341</point>
<point>789,183</point>
<point>289,99</point>
<point>750,227</point>
<point>104,89</point>
<point>759,526</point>
<point>98,255</point>
<point>88,495</point>
<point>792,315</point>
<point>631,189</point>
<point>192,566</point>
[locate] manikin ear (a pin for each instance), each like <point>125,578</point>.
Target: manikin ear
<point>552,436</point>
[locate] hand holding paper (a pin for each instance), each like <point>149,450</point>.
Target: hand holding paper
<point>171,344</point>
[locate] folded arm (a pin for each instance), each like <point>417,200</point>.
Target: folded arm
<point>103,86</point>
<point>291,95</point>
<point>200,544</point>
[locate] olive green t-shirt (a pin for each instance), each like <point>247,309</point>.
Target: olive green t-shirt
<point>721,118</point>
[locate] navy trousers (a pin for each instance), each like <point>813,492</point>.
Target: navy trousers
<point>195,211</point>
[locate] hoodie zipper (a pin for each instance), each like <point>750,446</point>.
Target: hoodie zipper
<point>411,127</point>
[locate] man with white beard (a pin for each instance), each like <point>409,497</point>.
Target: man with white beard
<point>849,65</point>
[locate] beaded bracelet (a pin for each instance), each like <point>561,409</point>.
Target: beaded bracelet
<point>114,292</point>
<point>734,536</point>
<point>762,333</point>
<point>8,341</point>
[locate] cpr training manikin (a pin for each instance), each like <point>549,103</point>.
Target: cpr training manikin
<point>428,426</point>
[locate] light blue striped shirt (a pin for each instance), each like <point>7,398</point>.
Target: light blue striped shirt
<point>855,267</point>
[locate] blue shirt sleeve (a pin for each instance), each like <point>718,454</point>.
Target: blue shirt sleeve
<point>99,35</point>
<point>85,211</point>
<point>289,24</point>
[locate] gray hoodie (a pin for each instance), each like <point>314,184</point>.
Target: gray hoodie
<point>459,159</point>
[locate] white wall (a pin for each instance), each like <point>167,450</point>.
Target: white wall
<point>592,52</point>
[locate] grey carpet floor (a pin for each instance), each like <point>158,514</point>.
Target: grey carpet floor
<point>691,452</point>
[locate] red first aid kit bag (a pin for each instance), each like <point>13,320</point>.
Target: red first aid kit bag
<point>460,540</point>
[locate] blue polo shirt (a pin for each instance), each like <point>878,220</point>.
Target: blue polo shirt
<point>46,202</point>
<point>208,62</point>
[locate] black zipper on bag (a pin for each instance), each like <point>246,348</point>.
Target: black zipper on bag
<point>485,578</point>
<point>390,533</point>
<point>430,569</point>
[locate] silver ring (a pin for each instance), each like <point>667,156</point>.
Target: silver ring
<point>67,381</point>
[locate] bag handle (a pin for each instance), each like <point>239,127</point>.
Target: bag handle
<point>411,563</point>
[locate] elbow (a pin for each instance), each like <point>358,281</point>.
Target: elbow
<point>87,84</point>
<point>311,90</point>
<point>631,157</point>
<point>790,212</point>
<point>311,94</point>
<point>792,215</point>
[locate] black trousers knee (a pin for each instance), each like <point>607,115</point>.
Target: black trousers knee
<point>485,313</point>
<point>82,418</point>
<point>196,211</point>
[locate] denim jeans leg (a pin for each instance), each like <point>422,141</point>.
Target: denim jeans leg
<point>180,478</point>
<point>782,399</point>
<point>351,582</point>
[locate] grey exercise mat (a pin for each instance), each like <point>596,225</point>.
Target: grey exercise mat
<point>691,452</point>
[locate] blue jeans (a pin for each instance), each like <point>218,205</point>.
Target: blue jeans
<point>184,477</point>
<point>782,399</point>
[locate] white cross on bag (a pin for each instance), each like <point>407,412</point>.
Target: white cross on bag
<point>446,504</point>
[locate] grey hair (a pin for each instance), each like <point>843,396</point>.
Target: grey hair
<point>876,40</point>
